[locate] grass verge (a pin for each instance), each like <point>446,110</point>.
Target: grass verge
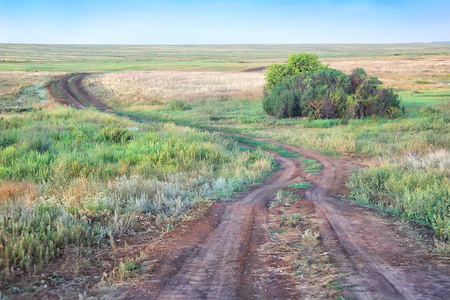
<point>77,178</point>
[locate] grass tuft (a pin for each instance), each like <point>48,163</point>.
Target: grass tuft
<point>300,185</point>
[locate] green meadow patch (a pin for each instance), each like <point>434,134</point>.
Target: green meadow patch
<point>73,177</point>
<point>300,185</point>
<point>311,166</point>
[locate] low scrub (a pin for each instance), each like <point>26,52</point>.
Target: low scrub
<point>300,185</point>
<point>416,193</point>
<point>115,134</point>
<point>78,178</point>
<point>178,105</point>
<point>330,94</point>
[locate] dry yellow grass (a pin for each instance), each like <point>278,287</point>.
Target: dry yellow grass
<point>11,82</point>
<point>21,191</point>
<point>404,73</point>
<point>160,86</point>
<point>422,72</point>
<point>23,90</point>
<point>438,160</point>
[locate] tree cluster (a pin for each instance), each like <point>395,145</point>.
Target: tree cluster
<point>320,92</point>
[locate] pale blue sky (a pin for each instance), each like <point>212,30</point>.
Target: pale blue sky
<point>223,22</point>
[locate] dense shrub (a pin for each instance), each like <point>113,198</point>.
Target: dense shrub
<point>369,98</point>
<point>115,134</point>
<point>296,64</point>
<point>328,94</point>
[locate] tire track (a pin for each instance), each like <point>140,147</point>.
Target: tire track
<point>65,87</point>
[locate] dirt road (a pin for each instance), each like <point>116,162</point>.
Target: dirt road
<point>214,257</point>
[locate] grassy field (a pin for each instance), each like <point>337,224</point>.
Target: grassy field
<point>71,178</point>
<point>107,176</point>
<point>394,148</point>
<point>391,147</point>
<point>91,58</point>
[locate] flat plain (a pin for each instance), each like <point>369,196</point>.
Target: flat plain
<point>143,202</point>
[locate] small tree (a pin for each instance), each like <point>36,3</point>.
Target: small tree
<point>296,64</point>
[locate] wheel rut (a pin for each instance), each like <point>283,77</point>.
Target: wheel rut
<point>378,262</point>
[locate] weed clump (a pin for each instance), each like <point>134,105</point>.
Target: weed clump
<point>115,135</point>
<point>35,235</point>
<point>178,105</point>
<point>412,193</point>
<point>300,185</point>
<point>311,166</point>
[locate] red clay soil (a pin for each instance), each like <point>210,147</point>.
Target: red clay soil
<point>75,94</point>
<point>214,257</point>
<point>72,99</point>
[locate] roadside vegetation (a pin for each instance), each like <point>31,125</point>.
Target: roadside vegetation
<point>385,144</point>
<point>417,188</point>
<point>79,178</point>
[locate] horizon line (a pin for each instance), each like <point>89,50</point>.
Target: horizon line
<point>218,44</point>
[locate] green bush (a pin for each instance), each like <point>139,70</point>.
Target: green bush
<point>115,134</point>
<point>296,64</point>
<point>369,99</point>
<point>330,94</point>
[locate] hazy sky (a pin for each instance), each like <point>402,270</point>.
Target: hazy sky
<point>223,22</point>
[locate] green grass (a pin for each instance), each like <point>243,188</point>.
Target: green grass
<point>421,195</point>
<point>311,166</point>
<point>73,177</point>
<point>425,128</point>
<point>113,66</point>
<point>267,146</point>
<point>300,185</point>
<point>422,99</point>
